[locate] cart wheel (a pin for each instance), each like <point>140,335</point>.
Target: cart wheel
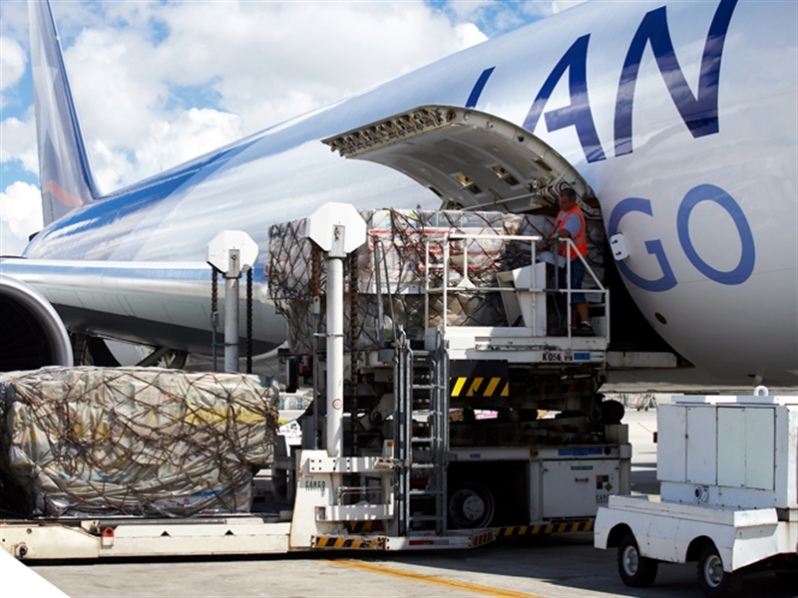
<point>471,506</point>
<point>713,580</point>
<point>636,571</point>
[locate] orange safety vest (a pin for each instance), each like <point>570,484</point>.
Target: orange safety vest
<point>580,240</point>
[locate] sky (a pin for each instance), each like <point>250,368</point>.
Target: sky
<point>157,83</point>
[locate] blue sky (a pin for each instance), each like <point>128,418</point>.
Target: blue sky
<point>157,82</point>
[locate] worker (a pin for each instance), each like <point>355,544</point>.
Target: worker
<point>570,224</point>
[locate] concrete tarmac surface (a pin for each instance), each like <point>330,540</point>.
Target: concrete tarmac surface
<point>564,565</point>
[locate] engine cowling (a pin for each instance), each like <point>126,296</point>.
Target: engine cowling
<point>32,334</point>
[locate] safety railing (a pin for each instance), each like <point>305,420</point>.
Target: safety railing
<point>448,255</point>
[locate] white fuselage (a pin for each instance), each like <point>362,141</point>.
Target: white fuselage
<point>709,215</point>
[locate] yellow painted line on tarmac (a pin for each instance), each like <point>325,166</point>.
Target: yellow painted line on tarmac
<point>431,579</point>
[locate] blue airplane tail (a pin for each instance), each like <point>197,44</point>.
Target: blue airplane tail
<point>64,171</point>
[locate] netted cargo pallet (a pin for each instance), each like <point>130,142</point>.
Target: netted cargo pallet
<point>401,261</point>
<point>132,441</point>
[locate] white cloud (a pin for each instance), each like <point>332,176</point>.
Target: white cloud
<point>18,142</point>
<point>118,91</point>
<point>171,83</point>
<point>353,46</point>
<point>20,216</point>
<point>12,62</point>
<point>193,133</point>
<point>12,65</point>
<point>156,84</point>
<point>499,16</point>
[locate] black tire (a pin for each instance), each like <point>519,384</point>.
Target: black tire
<point>790,578</point>
<point>636,571</point>
<point>471,506</point>
<point>712,579</point>
<point>612,411</point>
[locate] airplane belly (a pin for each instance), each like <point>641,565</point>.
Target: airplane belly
<point>735,338</point>
<point>152,303</point>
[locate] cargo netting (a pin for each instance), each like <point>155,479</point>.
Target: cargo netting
<point>405,268</point>
<point>132,441</point>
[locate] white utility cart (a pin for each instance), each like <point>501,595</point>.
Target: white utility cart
<point>728,472</point>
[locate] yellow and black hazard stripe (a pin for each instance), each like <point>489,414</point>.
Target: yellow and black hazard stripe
<point>542,529</point>
<point>345,543</point>
<point>480,387</point>
<point>479,379</point>
<point>485,537</point>
<point>358,527</point>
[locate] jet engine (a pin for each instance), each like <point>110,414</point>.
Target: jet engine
<point>32,334</point>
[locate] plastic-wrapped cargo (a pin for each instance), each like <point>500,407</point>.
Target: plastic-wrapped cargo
<point>133,441</point>
<point>405,267</point>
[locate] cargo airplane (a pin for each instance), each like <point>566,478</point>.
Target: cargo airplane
<point>678,117</point>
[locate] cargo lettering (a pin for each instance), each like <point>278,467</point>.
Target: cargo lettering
<point>737,275</point>
<point>699,111</point>
<point>555,356</point>
<point>578,113</point>
<point>312,484</point>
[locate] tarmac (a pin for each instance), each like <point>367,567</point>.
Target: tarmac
<point>560,565</point>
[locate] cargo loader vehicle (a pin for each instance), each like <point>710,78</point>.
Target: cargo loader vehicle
<point>452,404</point>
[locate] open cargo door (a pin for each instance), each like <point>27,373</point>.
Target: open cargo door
<point>477,161</point>
<point>471,160</point>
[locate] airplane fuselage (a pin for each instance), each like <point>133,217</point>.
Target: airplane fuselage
<point>680,116</point>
